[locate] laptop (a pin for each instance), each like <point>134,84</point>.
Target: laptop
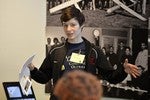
<point>13,91</point>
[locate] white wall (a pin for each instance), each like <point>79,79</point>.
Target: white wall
<point>22,33</point>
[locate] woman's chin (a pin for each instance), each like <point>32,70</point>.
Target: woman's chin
<point>71,38</point>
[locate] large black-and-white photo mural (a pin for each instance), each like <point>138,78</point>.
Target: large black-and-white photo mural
<point>120,28</point>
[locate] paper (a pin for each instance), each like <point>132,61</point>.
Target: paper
<point>24,76</point>
<point>25,84</point>
<point>25,70</point>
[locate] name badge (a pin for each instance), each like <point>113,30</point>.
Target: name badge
<point>77,58</point>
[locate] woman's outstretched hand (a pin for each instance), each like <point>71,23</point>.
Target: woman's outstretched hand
<point>131,69</point>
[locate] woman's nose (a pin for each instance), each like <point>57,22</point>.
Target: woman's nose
<point>68,28</point>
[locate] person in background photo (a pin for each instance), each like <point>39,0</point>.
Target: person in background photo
<point>142,58</point>
<point>78,85</point>
<point>130,59</point>
<point>127,55</point>
<point>56,42</point>
<point>77,54</point>
<point>120,50</point>
<point>63,40</point>
<point>142,81</point>
<point>104,51</point>
<point>112,58</point>
<point>48,46</point>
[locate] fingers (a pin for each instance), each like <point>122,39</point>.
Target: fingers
<point>132,70</point>
<point>31,66</point>
<point>134,75</point>
<point>135,71</point>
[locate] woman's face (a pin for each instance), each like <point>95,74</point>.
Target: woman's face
<point>72,29</point>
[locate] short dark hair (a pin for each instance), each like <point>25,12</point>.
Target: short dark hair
<point>72,12</point>
<point>127,48</point>
<point>103,48</point>
<point>55,39</point>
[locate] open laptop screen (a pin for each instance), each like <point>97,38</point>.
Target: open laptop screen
<point>13,92</point>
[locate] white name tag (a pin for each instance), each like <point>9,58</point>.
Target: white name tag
<point>77,58</point>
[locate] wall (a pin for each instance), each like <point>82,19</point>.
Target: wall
<point>22,33</point>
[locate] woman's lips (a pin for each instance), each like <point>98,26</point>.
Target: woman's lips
<point>69,34</point>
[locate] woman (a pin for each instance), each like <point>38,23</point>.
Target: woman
<point>77,54</point>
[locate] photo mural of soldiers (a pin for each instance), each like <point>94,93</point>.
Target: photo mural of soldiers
<point>119,20</point>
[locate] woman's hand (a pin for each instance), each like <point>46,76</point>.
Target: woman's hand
<point>131,69</point>
<point>31,66</point>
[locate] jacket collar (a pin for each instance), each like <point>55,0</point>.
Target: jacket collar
<point>87,44</point>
